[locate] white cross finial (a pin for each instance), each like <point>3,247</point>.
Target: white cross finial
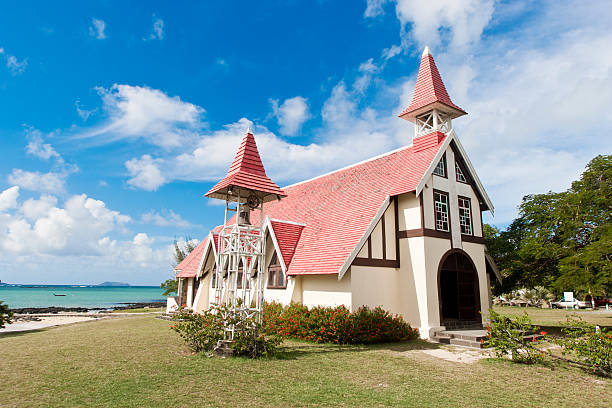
<point>426,51</point>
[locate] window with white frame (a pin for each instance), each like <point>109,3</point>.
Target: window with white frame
<point>276,278</point>
<point>441,210</point>
<point>440,169</point>
<point>459,174</point>
<point>465,215</point>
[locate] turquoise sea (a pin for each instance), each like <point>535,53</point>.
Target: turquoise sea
<point>77,296</point>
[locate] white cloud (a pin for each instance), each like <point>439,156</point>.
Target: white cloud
<point>391,52</point>
<point>8,198</point>
<point>374,8</point>
<point>83,113</point>
<point>157,31</point>
<point>34,209</point>
<point>37,148</point>
<point>141,112</point>
<point>96,29</point>
<point>13,64</point>
<point>145,173</point>
<point>458,22</point>
<point>36,181</point>
<point>165,218</point>
<point>72,230</point>
<point>291,114</point>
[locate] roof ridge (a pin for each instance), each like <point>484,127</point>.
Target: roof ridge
<point>350,165</point>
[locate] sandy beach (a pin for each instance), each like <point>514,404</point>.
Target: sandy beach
<point>37,322</point>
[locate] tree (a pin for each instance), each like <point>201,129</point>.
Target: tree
<point>562,241</point>
<point>170,286</point>
<point>5,315</point>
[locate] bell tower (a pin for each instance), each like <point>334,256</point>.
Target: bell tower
<point>431,109</point>
<point>239,276</point>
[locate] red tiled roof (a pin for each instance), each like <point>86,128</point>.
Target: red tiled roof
<point>247,171</point>
<point>188,268</point>
<point>337,208</point>
<point>429,88</point>
<point>287,236</point>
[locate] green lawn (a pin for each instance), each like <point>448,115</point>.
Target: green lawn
<point>557,317</point>
<point>142,310</point>
<point>137,361</point>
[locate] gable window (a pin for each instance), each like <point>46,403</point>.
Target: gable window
<point>276,277</point>
<point>440,169</point>
<point>214,278</point>
<point>241,271</point>
<point>459,174</point>
<point>465,215</point>
<point>441,210</point>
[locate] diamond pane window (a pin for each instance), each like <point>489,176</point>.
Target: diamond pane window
<point>441,210</point>
<point>440,169</point>
<point>460,177</point>
<point>465,215</point>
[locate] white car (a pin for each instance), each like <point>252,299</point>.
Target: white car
<point>569,304</point>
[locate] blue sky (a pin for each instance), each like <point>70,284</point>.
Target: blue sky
<point>117,117</point>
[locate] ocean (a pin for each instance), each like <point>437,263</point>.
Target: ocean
<point>77,296</point>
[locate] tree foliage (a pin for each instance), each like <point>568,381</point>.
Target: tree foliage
<point>560,240</point>
<point>170,286</point>
<point>5,315</point>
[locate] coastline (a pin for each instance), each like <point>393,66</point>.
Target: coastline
<point>61,309</point>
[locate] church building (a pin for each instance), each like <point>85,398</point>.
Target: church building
<point>402,230</point>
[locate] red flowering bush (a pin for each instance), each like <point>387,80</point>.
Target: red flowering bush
<point>336,324</point>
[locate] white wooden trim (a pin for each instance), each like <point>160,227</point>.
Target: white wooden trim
<point>472,172</point>
<point>268,226</point>
<point>449,138</point>
<point>364,237</point>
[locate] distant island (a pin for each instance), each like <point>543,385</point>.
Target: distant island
<point>113,284</point>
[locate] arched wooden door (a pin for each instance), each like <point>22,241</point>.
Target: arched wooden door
<point>459,295</point>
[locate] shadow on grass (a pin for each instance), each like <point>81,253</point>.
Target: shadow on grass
<point>6,335</point>
<point>294,349</point>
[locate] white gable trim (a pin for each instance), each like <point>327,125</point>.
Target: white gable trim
<point>364,237</point>
<point>204,252</point>
<point>450,137</point>
<point>268,227</point>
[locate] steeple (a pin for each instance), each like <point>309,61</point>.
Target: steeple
<point>431,108</point>
<point>246,175</point>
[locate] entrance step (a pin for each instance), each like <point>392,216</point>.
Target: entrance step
<point>474,338</point>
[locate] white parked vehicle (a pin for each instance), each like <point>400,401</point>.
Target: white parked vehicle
<point>569,304</point>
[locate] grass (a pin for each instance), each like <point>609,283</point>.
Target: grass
<point>557,317</point>
<point>137,361</point>
<point>142,310</point>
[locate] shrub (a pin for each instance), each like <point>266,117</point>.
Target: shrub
<point>336,324</point>
<point>5,315</point>
<point>252,342</point>
<point>202,332</point>
<point>514,337</point>
<point>589,344</point>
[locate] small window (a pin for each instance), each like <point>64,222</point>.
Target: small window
<point>276,277</point>
<point>214,279</point>
<point>441,210</point>
<point>440,169</point>
<point>240,276</point>
<point>459,173</point>
<point>465,215</point>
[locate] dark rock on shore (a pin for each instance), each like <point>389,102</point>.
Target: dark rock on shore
<point>140,305</point>
<point>58,309</point>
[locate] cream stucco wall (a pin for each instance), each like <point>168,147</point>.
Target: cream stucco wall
<point>409,210</point>
<point>326,290</point>
<point>376,237</point>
